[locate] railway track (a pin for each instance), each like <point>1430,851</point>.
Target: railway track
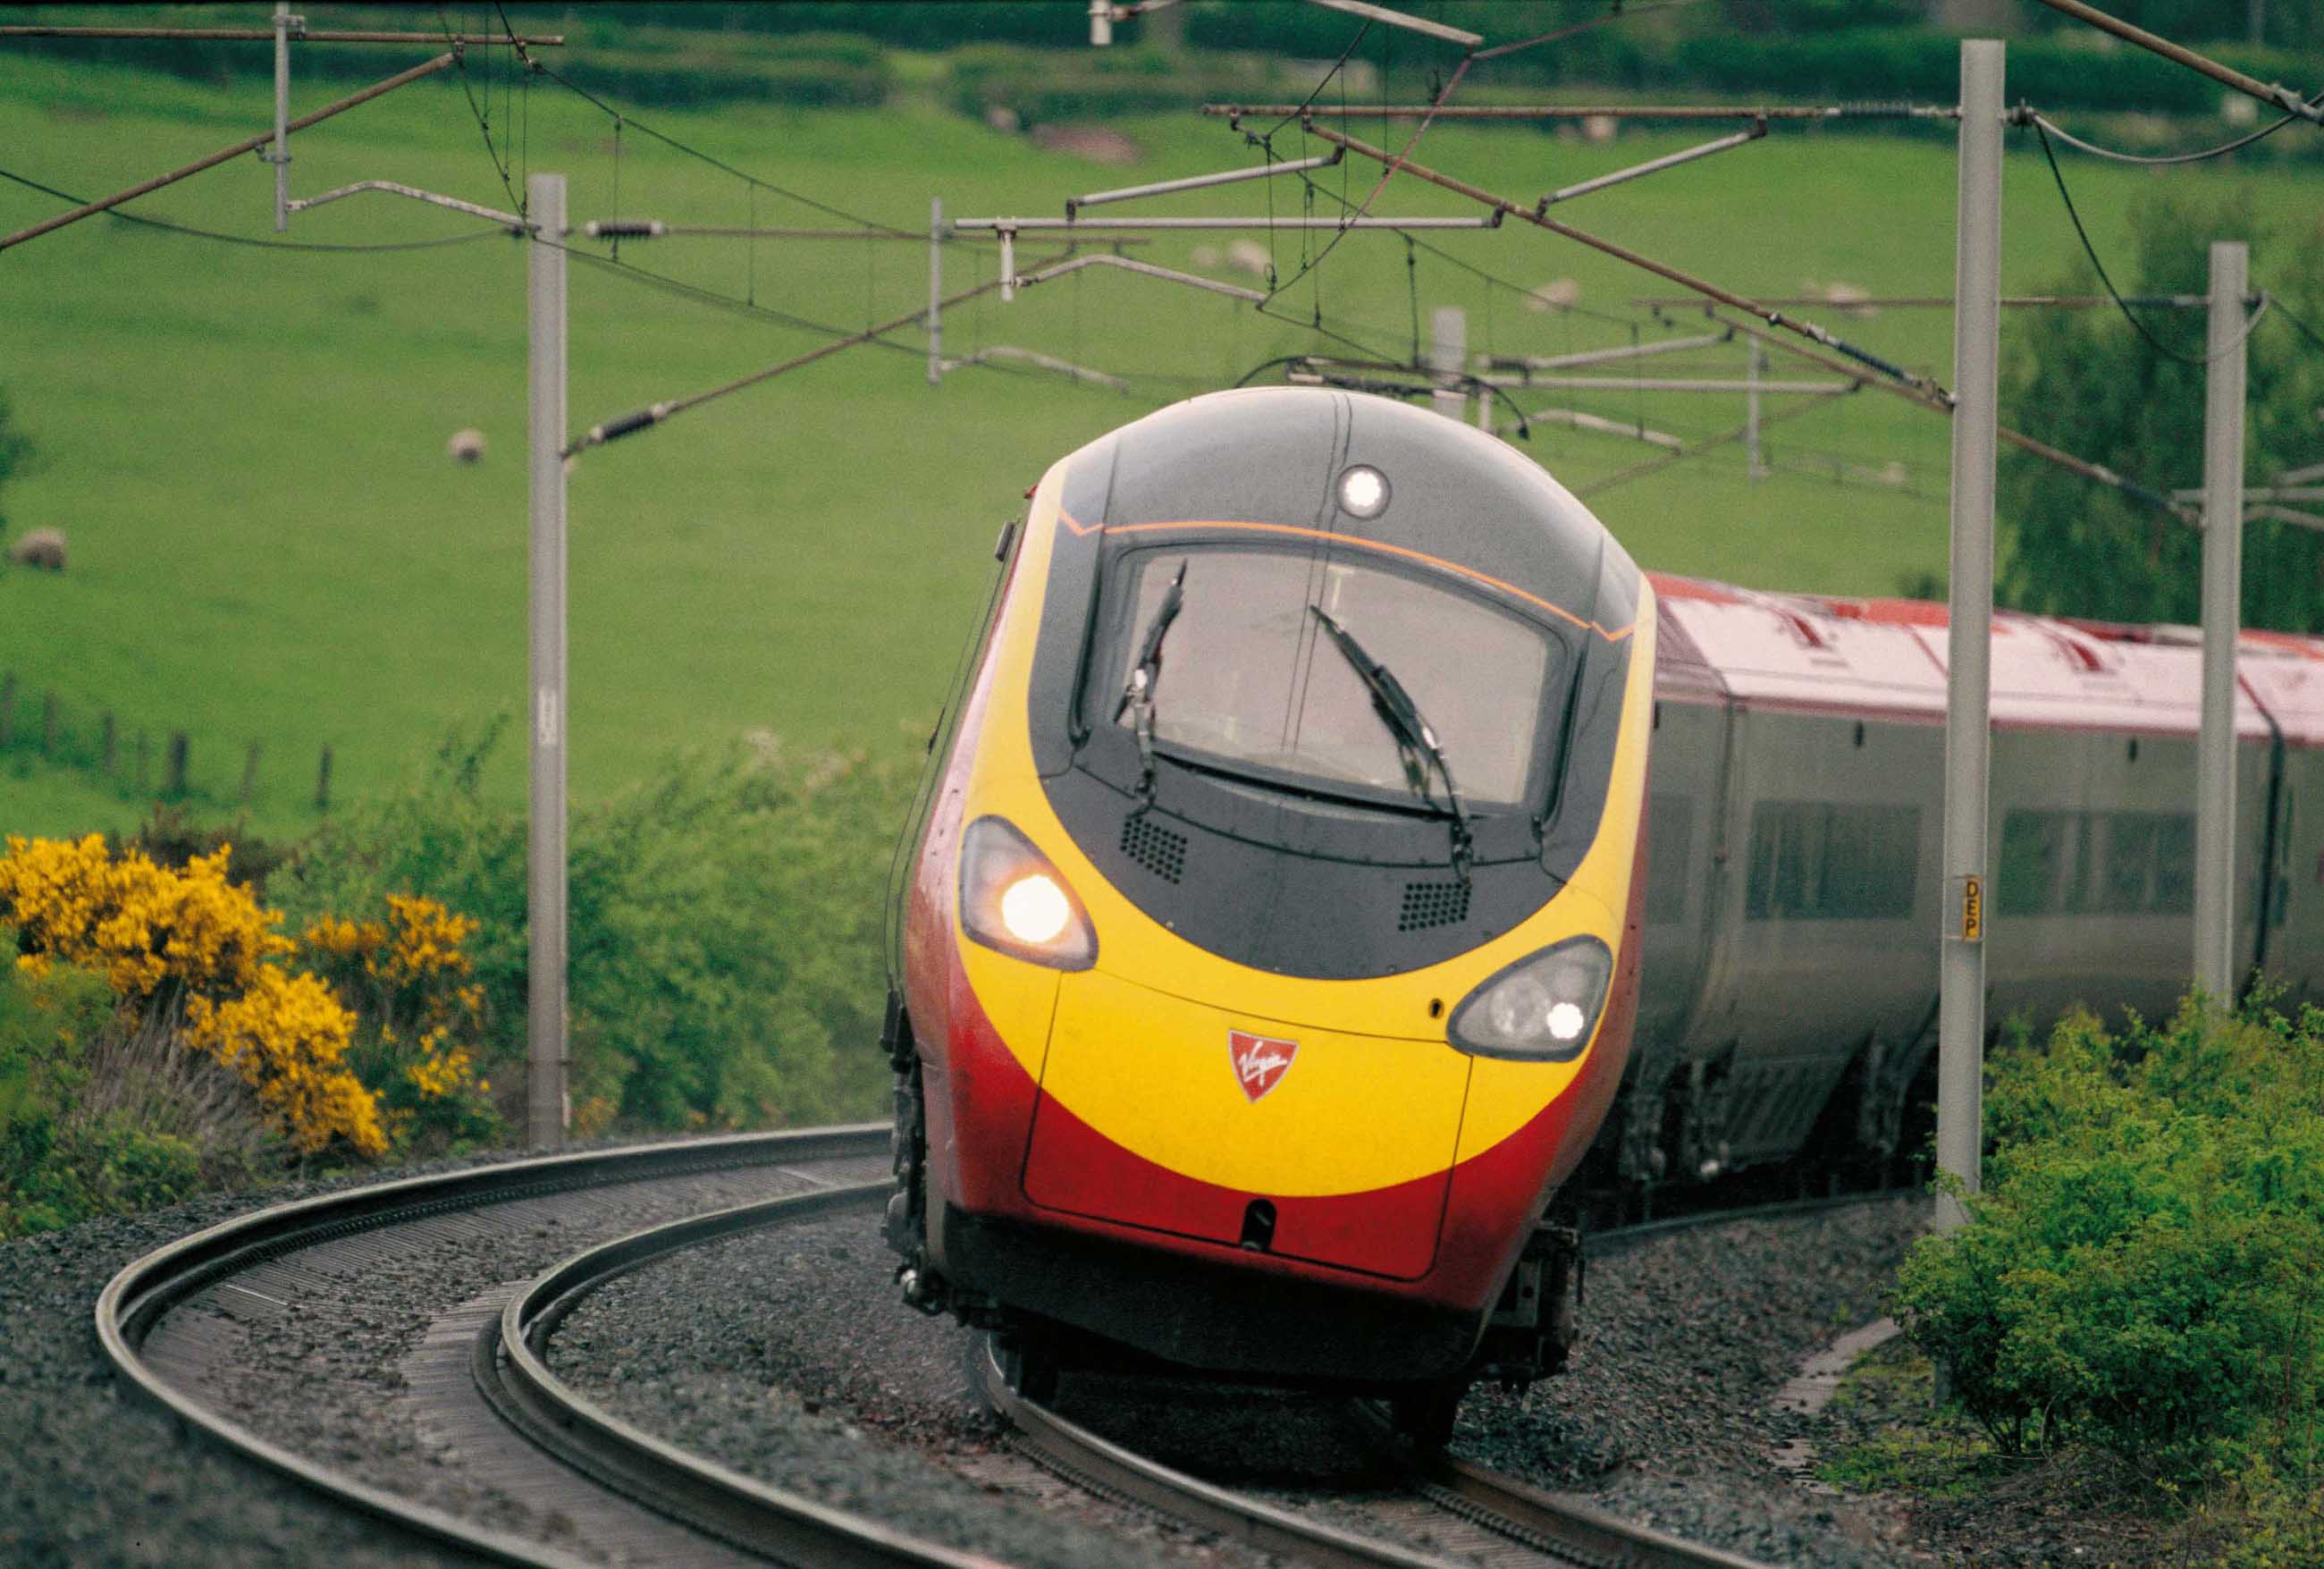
<point>1515,1524</point>
<point>487,1392</point>
<point>167,1323</point>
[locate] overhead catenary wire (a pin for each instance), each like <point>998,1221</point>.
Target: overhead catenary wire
<point>2281,97</point>
<point>1866,110</point>
<point>2100,473</point>
<point>1695,449</point>
<point>483,113</point>
<point>2156,344</point>
<point>624,117</point>
<point>248,144</point>
<point>189,231</point>
<point>266,35</point>
<point>2153,161</point>
<point>2300,326</point>
<point>1617,13</point>
<point>1773,317</point>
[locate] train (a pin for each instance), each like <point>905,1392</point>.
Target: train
<point>1335,848</point>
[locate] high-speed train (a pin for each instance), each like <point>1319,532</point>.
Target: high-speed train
<point>1292,882</point>
<point>1788,995</point>
<point>1269,937</point>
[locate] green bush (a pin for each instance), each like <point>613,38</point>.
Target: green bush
<point>724,957</point>
<point>2140,1271</point>
<point>99,1115</point>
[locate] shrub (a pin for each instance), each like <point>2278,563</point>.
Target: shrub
<point>190,944</point>
<point>2139,1270</point>
<point>410,983</point>
<point>99,1114</point>
<point>723,941</point>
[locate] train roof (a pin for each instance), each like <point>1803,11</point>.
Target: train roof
<point>1886,659</point>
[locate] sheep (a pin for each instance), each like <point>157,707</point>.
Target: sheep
<point>43,548</point>
<point>466,446</point>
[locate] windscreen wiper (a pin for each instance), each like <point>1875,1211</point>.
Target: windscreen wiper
<point>1416,746</point>
<point>1138,695</point>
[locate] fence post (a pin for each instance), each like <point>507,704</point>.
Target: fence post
<point>49,723</point>
<point>107,745</point>
<point>144,764</point>
<point>250,771</point>
<point>173,780</point>
<point>8,709</point>
<point>323,780</point>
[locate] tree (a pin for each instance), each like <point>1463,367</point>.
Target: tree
<point>2085,381</point>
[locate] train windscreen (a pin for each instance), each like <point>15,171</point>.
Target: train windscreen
<point>1246,674</point>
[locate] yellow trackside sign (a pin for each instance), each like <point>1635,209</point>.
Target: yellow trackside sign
<point>1969,908</point>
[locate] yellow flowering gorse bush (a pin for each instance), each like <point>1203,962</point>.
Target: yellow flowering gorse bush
<point>412,976</point>
<point>144,925</point>
<point>168,940</point>
<point>287,1035</point>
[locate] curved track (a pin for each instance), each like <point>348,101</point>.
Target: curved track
<point>1555,1530</point>
<point>157,1324</point>
<point>528,1433</point>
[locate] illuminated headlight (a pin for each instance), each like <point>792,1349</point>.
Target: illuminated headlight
<point>1540,1008</point>
<point>1011,898</point>
<point>1363,492</point>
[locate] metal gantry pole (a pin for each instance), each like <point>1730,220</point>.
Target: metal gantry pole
<point>1756,366</point>
<point>2223,571</point>
<point>546,1033</point>
<point>1976,353</point>
<point>281,158</point>
<point>1448,355</point>
<point>936,290</point>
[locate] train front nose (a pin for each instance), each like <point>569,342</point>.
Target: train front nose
<point>1331,1147</point>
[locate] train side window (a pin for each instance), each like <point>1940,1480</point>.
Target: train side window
<point>2174,863</point>
<point>1815,862</point>
<point>2082,875</point>
<point>2129,864</point>
<point>1670,825</point>
<point>2031,846</point>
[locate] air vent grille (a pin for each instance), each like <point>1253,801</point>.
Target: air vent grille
<point>1154,847</point>
<point>1433,904</point>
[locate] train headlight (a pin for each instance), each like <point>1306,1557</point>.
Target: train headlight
<point>1011,898</point>
<point>1540,1008</point>
<point>1363,491</point>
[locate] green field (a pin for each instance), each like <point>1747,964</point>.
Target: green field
<point>247,447</point>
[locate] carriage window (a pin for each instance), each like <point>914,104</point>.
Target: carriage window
<point>1247,676</point>
<point>1812,861</point>
<point>2063,862</point>
<point>1670,823</point>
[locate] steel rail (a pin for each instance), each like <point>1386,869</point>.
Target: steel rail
<point>1107,1468</point>
<point>135,1300</point>
<point>513,1372</point>
<point>1567,1529</point>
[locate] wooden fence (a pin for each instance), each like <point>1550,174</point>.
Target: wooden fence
<point>96,742</point>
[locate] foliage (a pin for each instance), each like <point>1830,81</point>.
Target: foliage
<point>2139,1270</point>
<point>2084,380</point>
<point>146,927</point>
<point>410,981</point>
<point>171,837</point>
<point>190,942</point>
<point>724,938</point>
<point>100,1116</point>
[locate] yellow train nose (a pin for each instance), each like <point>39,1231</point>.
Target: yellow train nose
<point>1243,1109</point>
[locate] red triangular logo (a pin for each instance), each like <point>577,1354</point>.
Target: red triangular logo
<point>1259,1063</point>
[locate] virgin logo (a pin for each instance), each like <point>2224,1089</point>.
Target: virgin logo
<point>1259,1063</point>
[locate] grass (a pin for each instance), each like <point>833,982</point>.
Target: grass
<point>1900,1440</point>
<point>247,447</point>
